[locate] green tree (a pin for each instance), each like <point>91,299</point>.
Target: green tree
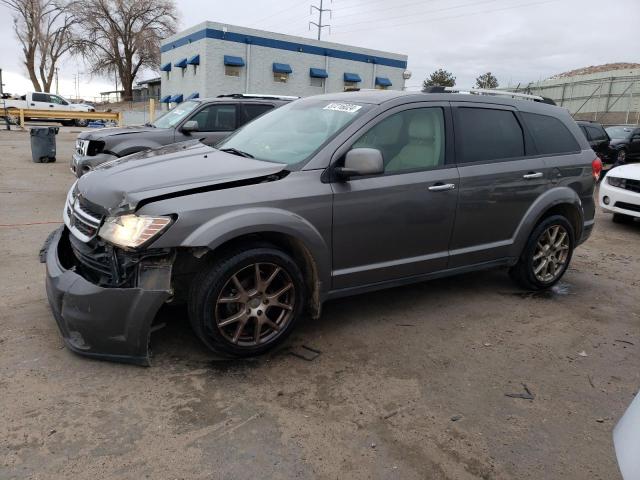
<point>439,78</point>
<point>487,80</point>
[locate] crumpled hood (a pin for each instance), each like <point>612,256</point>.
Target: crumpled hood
<point>121,184</point>
<point>103,133</point>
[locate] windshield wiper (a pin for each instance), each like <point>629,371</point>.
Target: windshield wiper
<point>148,124</point>
<point>235,151</point>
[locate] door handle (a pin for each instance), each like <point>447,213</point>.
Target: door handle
<point>442,187</point>
<point>531,176</point>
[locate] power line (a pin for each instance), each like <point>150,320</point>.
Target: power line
<point>320,25</point>
<point>394,7</point>
<point>277,12</point>
<point>412,15</point>
<point>448,17</point>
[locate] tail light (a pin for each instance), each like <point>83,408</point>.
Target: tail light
<point>596,168</point>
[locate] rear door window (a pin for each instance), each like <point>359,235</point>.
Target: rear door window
<point>596,134</point>
<point>484,134</point>
<point>253,110</point>
<point>40,97</point>
<point>552,137</point>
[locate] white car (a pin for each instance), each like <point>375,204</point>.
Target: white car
<point>620,192</point>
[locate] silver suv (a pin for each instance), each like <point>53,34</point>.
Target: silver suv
<point>206,119</point>
<point>325,197</point>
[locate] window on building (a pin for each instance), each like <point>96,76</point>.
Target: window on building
<point>484,134</point>
<point>232,71</point>
<point>316,82</point>
<point>348,85</point>
<point>280,77</point>
<point>550,134</point>
<point>409,140</point>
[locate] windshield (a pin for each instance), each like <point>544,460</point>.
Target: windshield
<point>619,132</point>
<point>292,133</point>
<point>175,115</point>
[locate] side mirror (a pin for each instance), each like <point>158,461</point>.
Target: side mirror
<point>190,126</point>
<point>360,162</point>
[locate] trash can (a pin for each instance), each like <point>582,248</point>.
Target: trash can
<point>43,144</point>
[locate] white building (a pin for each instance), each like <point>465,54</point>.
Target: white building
<point>210,59</point>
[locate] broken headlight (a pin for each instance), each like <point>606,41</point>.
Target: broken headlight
<point>132,231</point>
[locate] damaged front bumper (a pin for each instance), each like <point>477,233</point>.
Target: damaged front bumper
<point>101,322</point>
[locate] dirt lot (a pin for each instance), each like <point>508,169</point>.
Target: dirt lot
<point>410,383</point>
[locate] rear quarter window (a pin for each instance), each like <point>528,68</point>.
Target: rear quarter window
<point>551,136</point>
<point>484,134</point>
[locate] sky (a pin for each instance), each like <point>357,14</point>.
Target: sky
<point>518,40</point>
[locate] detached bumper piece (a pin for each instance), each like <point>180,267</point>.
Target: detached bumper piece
<point>106,323</point>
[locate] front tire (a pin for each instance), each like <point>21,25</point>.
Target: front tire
<point>248,301</point>
<point>546,255</point>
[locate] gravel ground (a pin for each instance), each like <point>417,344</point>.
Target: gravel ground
<point>410,382</point>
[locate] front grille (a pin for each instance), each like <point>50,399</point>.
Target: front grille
<point>96,262</point>
<point>632,185</point>
<point>628,206</point>
<point>82,218</point>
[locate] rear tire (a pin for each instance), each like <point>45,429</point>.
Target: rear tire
<point>622,218</point>
<point>546,255</point>
<point>248,301</point>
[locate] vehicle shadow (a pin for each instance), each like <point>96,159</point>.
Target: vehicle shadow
<point>176,342</point>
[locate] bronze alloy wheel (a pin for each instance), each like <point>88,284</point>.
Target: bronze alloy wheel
<point>255,304</point>
<point>551,254</point>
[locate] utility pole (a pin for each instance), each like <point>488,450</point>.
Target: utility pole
<point>320,25</point>
<point>4,103</point>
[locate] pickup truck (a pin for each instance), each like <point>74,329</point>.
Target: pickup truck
<point>44,101</point>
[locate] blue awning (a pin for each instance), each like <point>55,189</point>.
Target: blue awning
<point>195,60</point>
<point>166,67</point>
<point>282,68</point>
<point>166,99</point>
<point>352,77</point>
<point>176,98</point>
<point>232,61</point>
<point>318,73</point>
<point>383,81</point>
<point>193,95</point>
<point>181,64</point>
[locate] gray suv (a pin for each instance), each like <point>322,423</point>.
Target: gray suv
<point>325,197</point>
<point>207,119</point>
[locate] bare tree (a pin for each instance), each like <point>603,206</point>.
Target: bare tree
<point>123,36</point>
<point>43,28</point>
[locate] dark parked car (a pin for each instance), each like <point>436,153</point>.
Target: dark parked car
<point>598,140</point>
<point>208,119</point>
<point>325,197</point>
<point>625,142</point>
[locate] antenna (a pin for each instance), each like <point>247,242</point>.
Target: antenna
<point>320,25</point>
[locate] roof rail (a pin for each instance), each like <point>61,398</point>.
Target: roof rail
<point>486,91</point>
<point>257,95</point>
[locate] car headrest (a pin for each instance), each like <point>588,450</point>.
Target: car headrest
<point>422,126</point>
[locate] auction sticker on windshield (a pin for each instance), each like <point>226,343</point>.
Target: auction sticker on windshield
<point>343,107</point>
